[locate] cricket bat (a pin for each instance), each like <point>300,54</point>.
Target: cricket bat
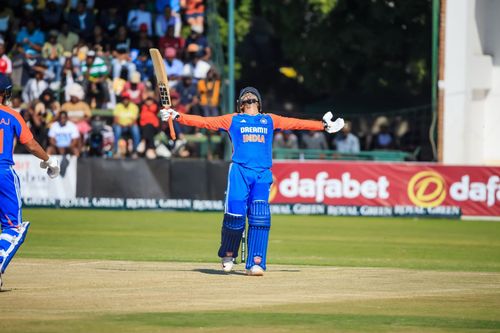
<point>162,82</point>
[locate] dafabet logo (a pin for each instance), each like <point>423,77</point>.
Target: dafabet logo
<point>427,189</point>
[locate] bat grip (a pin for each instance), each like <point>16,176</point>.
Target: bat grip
<point>171,128</point>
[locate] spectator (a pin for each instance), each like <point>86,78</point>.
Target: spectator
<point>209,92</point>
<point>68,75</point>
<point>63,137</point>
<point>122,65</point>
<point>30,39</point>
<point>47,107</point>
<point>195,65</point>
<point>125,115</point>
<point>345,141</point>
<point>121,40</point>
<point>383,139</point>
<point>194,12</point>
<point>111,20</point>
<point>164,21</point>
<point>82,20</point>
<point>286,139</point>
<point>150,124</point>
<point>144,65</point>
<point>135,89</point>
<point>139,16</point>
<point>52,16</point>
<point>314,140</point>
<point>68,39</point>
<point>188,95</point>
<point>196,37</point>
<point>77,109</point>
<point>95,71</point>
<point>100,38</point>
<point>5,62</point>
<point>17,103</point>
<point>6,18</point>
<point>142,40</point>
<point>169,40</point>
<point>174,67</point>
<point>53,52</point>
<point>35,85</point>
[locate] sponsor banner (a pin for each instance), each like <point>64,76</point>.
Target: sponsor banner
<point>36,184</point>
<point>475,191</point>
<point>218,206</point>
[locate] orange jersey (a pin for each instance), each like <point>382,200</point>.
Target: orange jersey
<point>252,136</point>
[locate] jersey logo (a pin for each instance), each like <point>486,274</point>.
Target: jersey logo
<point>263,121</point>
<point>243,121</point>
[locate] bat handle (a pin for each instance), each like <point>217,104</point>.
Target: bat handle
<point>171,128</point>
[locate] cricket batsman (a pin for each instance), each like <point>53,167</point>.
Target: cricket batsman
<point>13,126</point>
<point>250,178</point>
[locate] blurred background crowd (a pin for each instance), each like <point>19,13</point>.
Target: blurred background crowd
<point>84,81</point>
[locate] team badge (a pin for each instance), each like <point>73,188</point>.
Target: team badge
<point>263,121</point>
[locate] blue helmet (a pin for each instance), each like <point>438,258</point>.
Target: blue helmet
<point>250,90</point>
<point>5,87</point>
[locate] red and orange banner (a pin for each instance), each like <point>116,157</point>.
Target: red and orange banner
<point>475,190</point>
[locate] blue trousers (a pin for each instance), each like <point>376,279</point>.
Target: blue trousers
<point>245,186</point>
<point>10,198</point>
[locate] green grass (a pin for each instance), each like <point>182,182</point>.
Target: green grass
<point>427,244</point>
<point>436,244</point>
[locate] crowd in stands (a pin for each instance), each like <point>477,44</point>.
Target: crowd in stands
<point>84,81</point>
<point>73,61</point>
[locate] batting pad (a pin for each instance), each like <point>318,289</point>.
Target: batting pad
<point>10,241</point>
<point>232,230</point>
<point>259,224</point>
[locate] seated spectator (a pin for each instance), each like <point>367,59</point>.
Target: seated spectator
<point>100,38</point>
<point>144,65</point>
<point>36,85</point>
<point>383,139</point>
<point>164,21</point>
<point>110,20</point>
<point>195,64</point>
<point>345,141</point>
<point>36,125</point>
<point>137,17</point>
<point>47,107</point>
<point>135,89</point>
<point>285,139</point>
<point>52,52</point>
<point>6,18</point>
<point>122,65</point>
<point>95,72</point>
<point>101,138</point>
<point>82,20</point>
<point>68,75</point>
<point>169,40</point>
<point>30,38</point>
<point>196,37</point>
<point>16,103</point>
<point>125,115</point>
<point>174,67</point>
<point>209,92</point>
<point>64,137</point>
<point>68,39</point>
<point>188,95</point>
<point>142,40</point>
<point>52,16</point>
<point>195,12</point>
<point>150,124</point>
<point>5,62</point>
<point>121,40</point>
<point>314,140</point>
<point>77,109</point>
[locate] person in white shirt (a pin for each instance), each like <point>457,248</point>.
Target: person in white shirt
<point>139,16</point>
<point>64,137</point>
<point>35,86</point>
<point>345,141</point>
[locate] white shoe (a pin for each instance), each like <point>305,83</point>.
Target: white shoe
<point>255,270</point>
<point>227,264</point>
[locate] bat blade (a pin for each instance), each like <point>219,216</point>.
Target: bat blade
<point>162,82</point>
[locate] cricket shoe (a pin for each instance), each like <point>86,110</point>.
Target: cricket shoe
<point>255,270</point>
<point>227,264</point>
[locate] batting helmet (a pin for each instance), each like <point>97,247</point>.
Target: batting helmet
<point>252,91</point>
<point>5,87</point>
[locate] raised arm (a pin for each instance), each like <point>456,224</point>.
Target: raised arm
<point>211,123</point>
<point>286,123</point>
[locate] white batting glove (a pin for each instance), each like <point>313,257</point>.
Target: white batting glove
<point>165,114</point>
<point>52,166</point>
<point>332,126</point>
